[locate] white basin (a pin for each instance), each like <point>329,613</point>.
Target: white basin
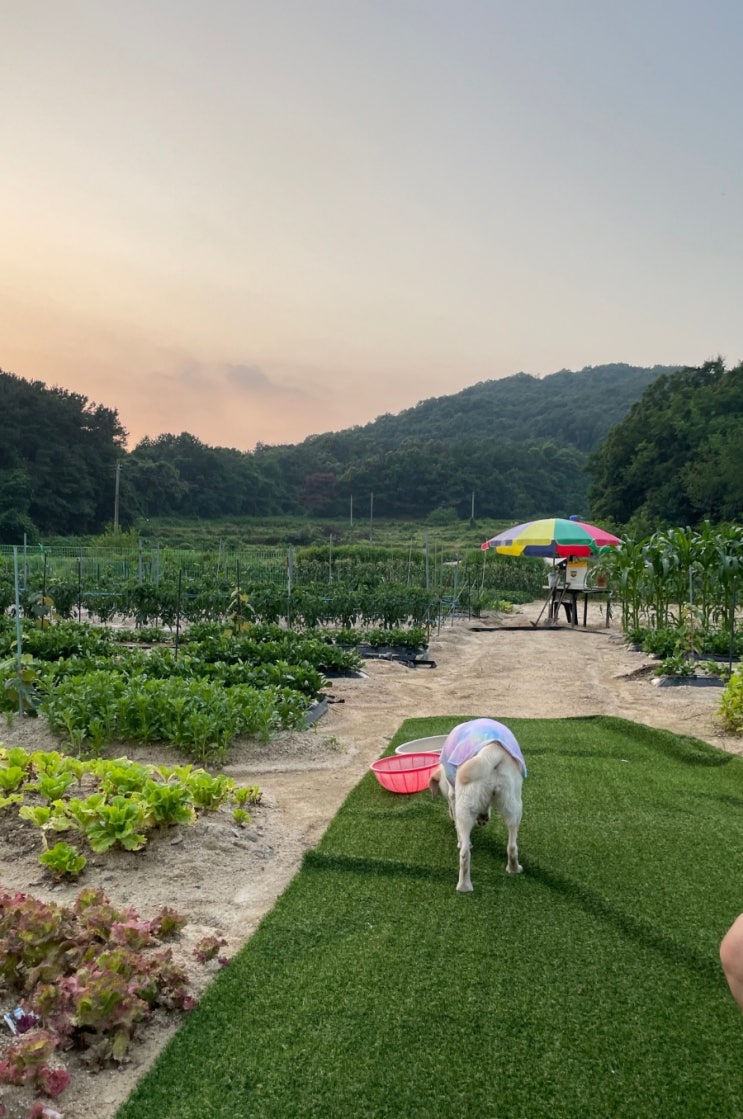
<point>426,745</point>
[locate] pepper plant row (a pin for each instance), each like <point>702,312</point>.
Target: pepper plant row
<point>345,585</point>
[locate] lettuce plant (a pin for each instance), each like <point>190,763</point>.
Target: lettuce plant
<point>63,861</point>
<point>120,775</point>
<point>131,799</point>
<point>49,817</point>
<point>209,792</point>
<point>167,924</point>
<point>208,947</point>
<point>15,755</point>
<point>166,804</point>
<point>88,975</point>
<point>26,1062</point>
<point>246,794</point>
<point>11,777</point>
<point>120,820</point>
<point>52,786</point>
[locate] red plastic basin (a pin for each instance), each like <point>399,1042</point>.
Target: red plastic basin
<point>405,773</point>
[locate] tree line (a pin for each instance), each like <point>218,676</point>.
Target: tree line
<point>677,456</point>
<point>654,443</point>
<point>58,457</point>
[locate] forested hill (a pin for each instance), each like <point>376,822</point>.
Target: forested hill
<point>520,444</point>
<point>575,408</point>
<point>677,456</point>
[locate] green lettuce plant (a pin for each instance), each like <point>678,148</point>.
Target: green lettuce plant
<point>209,792</point>
<point>246,794</point>
<point>49,817</point>
<point>63,860</point>
<point>11,777</point>
<point>119,820</point>
<point>167,804</point>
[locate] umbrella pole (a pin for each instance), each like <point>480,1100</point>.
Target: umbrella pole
<point>546,604</point>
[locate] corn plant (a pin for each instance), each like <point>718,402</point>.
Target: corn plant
<point>680,578</point>
<point>625,568</point>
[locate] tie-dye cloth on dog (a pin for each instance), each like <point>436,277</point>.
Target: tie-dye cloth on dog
<point>468,739</point>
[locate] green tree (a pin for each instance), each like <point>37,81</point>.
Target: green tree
<point>677,457</point>
<point>58,457</point>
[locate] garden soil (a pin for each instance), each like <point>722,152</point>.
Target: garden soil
<point>224,878</point>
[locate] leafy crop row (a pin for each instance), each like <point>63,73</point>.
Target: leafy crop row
<point>199,716</point>
<point>86,976</point>
<point>107,802</point>
<point>217,685</point>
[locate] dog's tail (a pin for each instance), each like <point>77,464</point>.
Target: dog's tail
<point>490,757</point>
<point>434,783</point>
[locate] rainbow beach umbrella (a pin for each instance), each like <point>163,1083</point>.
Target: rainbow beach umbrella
<point>551,538</point>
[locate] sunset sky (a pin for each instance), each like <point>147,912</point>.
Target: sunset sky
<point>255,221</point>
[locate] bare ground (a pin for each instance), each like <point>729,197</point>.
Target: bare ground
<point>225,879</point>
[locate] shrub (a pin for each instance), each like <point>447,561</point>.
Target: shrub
<point>661,642</point>
<point>731,707</point>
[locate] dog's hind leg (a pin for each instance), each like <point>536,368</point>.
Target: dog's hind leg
<point>464,824</point>
<point>472,805</point>
<point>440,784</point>
<point>510,809</point>
<point>513,866</point>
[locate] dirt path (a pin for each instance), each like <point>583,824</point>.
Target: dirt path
<point>225,880</point>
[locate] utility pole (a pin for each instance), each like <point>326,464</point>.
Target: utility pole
<point>116,498</point>
<point>371,518</point>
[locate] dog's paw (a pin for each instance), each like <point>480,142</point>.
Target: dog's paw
<point>483,819</point>
<point>464,887</point>
<point>518,869</point>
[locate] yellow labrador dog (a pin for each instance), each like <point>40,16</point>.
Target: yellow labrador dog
<point>481,764</point>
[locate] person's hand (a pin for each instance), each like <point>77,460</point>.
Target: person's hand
<point>731,958</point>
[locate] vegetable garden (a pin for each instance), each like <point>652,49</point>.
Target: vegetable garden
<point>304,586</point>
<point>679,593</point>
<point>204,654</point>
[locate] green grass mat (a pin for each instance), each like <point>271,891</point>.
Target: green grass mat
<point>589,986</point>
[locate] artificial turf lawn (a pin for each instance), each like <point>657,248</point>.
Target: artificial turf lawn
<point>588,986</point>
